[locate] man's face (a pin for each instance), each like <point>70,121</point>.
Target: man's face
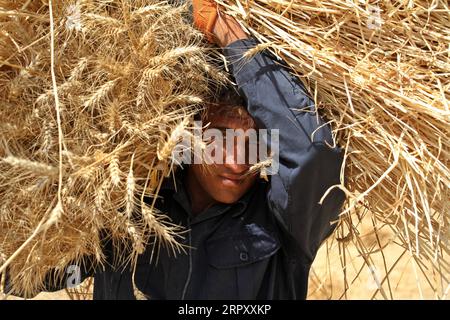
<point>229,181</point>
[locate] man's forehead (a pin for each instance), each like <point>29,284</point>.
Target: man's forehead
<point>225,121</point>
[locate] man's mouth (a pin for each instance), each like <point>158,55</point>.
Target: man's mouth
<point>233,177</point>
<point>231,180</point>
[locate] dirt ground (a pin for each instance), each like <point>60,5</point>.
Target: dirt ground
<point>407,279</point>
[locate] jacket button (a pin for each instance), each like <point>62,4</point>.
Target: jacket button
<point>243,256</point>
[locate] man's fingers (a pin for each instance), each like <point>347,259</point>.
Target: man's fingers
<point>205,16</point>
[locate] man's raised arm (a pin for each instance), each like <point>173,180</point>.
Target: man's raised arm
<point>308,164</point>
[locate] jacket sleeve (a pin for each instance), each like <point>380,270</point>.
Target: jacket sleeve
<point>308,164</point>
<point>74,274</point>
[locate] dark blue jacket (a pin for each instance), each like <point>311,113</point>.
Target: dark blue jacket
<point>261,247</point>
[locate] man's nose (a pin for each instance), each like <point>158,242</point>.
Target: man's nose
<point>236,168</point>
<point>235,161</point>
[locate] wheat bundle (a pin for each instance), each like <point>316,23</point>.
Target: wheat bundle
<point>380,72</point>
<point>94,96</point>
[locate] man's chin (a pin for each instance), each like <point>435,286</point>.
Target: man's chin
<point>229,199</point>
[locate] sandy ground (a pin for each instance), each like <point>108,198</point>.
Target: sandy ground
<point>406,280</point>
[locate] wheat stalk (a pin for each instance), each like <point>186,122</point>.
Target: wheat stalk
<point>37,168</point>
<point>100,94</point>
<point>114,171</point>
<point>165,151</point>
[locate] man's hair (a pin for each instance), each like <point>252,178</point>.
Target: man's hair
<point>229,95</point>
<point>228,103</point>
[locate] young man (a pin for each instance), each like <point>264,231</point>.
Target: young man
<point>247,238</point>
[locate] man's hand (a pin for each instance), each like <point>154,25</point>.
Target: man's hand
<point>216,26</point>
<point>205,17</point>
